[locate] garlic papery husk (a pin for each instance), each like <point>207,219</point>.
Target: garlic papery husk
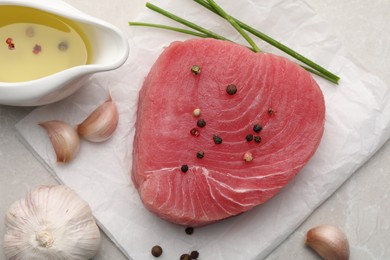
<point>329,242</point>
<point>51,222</point>
<point>64,138</point>
<point>100,125</point>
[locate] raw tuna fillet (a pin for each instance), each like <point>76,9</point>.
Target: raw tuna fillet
<point>276,117</point>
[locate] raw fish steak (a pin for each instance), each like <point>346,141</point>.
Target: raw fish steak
<point>221,130</point>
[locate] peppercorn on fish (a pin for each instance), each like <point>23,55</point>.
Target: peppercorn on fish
<point>262,118</point>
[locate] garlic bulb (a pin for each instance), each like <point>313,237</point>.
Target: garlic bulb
<point>64,138</point>
<point>101,123</point>
<point>51,222</point>
<point>329,242</point>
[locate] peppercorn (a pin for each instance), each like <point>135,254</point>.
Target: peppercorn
<point>217,139</point>
<point>194,254</point>
<point>248,157</point>
<point>184,168</point>
<point>63,46</point>
<point>156,251</point>
<point>271,112</point>
<point>195,69</point>
<point>200,154</point>
<point>201,123</point>
<point>249,137</point>
<point>30,32</point>
<point>195,132</point>
<point>185,257</point>
<point>257,128</point>
<point>189,230</point>
<point>196,112</point>
<point>257,139</point>
<point>231,89</point>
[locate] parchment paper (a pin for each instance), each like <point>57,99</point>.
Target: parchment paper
<point>357,124</point>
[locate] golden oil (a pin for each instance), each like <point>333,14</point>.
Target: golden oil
<point>35,44</point>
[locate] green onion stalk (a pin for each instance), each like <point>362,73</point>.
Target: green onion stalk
<point>242,28</point>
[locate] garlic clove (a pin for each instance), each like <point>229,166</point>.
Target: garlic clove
<point>64,138</point>
<point>51,222</point>
<point>100,125</point>
<point>329,242</point>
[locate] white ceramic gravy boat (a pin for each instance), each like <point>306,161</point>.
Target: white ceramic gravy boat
<point>109,50</point>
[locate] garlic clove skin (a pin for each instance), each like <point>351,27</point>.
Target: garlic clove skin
<point>100,125</point>
<point>329,242</point>
<point>51,222</point>
<point>64,138</point>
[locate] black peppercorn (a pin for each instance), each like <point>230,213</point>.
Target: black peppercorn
<point>231,89</point>
<point>189,230</point>
<point>201,123</point>
<point>249,138</point>
<point>257,139</point>
<point>184,168</point>
<point>194,254</point>
<point>217,139</point>
<point>200,154</point>
<point>156,251</point>
<point>257,128</point>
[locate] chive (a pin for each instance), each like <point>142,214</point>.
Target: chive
<point>233,22</point>
<point>322,71</point>
<point>185,22</point>
<point>204,33</point>
<point>201,35</point>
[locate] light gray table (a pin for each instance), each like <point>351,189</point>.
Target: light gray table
<point>361,206</point>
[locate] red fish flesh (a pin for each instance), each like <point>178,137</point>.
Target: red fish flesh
<point>261,120</point>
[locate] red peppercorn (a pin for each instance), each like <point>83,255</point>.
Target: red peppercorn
<point>195,132</point>
<point>8,40</point>
<point>37,49</point>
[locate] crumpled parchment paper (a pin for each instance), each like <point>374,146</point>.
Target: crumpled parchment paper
<point>357,124</point>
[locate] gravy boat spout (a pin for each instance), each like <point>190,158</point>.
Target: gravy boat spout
<point>106,49</point>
